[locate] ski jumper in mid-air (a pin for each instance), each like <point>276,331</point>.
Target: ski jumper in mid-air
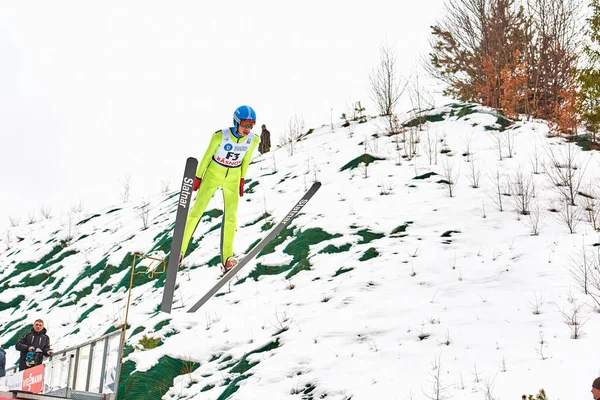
<point>224,166</point>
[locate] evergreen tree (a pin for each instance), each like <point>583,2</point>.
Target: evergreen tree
<point>589,77</point>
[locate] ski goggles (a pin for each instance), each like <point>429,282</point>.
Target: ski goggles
<point>247,123</point>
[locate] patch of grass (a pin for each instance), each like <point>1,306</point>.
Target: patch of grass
<point>161,325</point>
<point>148,343</point>
<point>331,249</point>
<point>262,217</point>
<point>503,122</point>
<point>583,141</point>
<point>368,236</point>
<point>214,213</point>
<point>425,176</point>
<point>466,110</point>
<point>137,330</point>
<point>365,159</point>
<point>87,219</point>
<point>370,253</point>
<point>449,233</point>
<point>422,119</point>
<point>401,229</point>
<point>341,271</point>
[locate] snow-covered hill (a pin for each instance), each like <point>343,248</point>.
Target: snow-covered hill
<point>399,280</point>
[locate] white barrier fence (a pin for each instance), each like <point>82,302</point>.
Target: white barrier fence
<point>92,367</point>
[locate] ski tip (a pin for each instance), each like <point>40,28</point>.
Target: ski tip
<point>317,184</point>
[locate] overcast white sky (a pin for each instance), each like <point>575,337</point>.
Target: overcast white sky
<point>93,91</point>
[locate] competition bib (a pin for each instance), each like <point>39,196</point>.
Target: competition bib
<point>231,154</point>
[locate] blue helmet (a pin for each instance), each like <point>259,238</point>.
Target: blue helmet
<point>243,112</point>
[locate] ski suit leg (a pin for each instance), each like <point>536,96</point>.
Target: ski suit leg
<point>205,193</point>
<point>228,227</point>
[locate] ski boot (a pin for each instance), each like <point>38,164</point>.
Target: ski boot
<point>229,263</point>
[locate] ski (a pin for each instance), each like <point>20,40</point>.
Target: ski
<point>183,205</point>
<point>256,249</point>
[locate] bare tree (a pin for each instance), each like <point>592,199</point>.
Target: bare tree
<point>569,215</point>
<point>509,141</point>
<point>534,218</point>
<point>385,84</point>
<point>591,205</point>
<point>31,219</point>
<point>499,190</point>
<point>7,239</point>
<point>573,320</point>
<point>450,175</point>
<point>294,131</point>
<point>565,171</point>
<point>165,187</point>
<point>474,173</point>
<point>430,144</point>
<point>438,390</point>
<point>68,226</point>
<point>144,213</point>
<point>536,161</point>
<point>46,212</point>
<point>583,269</point>
<point>125,192</point>
<point>522,190</point>
<point>14,221</point>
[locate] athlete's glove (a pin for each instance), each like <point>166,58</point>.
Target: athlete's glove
<point>241,187</point>
<point>197,182</point>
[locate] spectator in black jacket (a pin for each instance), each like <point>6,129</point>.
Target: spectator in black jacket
<point>596,388</point>
<point>34,346</point>
<point>265,141</point>
<point>2,362</point>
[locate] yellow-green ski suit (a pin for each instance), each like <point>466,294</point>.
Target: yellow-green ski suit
<point>215,175</point>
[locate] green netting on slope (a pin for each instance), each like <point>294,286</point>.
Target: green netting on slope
<point>14,303</point>
<point>154,383</point>
<point>88,312</point>
<point>243,366</point>
<point>46,278</point>
<point>18,335</point>
<point>29,266</point>
<point>299,249</point>
<point>8,326</point>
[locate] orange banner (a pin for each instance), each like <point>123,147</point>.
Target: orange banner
<point>33,379</point>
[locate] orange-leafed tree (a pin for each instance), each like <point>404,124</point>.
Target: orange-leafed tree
<point>514,92</point>
<point>488,87</point>
<point>566,118</point>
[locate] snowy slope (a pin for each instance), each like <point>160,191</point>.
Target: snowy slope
<point>383,287</point>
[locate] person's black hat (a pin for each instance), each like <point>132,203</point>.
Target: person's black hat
<point>596,384</point>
